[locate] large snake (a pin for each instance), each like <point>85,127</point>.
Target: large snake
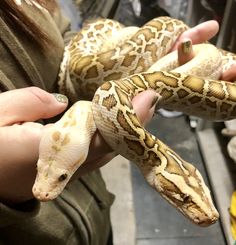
<point>89,65</point>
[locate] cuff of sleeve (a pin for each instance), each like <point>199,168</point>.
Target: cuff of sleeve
<point>12,215</point>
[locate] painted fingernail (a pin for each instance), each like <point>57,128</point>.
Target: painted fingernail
<point>187,46</point>
<point>60,98</point>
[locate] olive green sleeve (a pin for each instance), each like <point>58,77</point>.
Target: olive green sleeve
<point>13,215</point>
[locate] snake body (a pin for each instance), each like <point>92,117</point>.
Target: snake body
<point>64,146</point>
<point>109,56</point>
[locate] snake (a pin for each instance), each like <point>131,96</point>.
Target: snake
<point>104,67</point>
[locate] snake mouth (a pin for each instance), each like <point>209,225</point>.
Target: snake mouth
<point>43,195</point>
<point>205,221</point>
<point>200,217</point>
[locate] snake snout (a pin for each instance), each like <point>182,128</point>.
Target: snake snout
<point>44,192</point>
<point>42,195</point>
<point>201,218</point>
<point>198,212</point>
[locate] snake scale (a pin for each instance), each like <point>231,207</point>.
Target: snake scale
<point>111,64</point>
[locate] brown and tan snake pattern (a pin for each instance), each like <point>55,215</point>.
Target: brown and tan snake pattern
<point>88,64</point>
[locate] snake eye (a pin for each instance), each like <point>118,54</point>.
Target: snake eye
<point>62,177</point>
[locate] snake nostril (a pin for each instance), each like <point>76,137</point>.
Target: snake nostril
<point>46,195</point>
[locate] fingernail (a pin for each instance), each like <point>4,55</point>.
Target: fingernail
<point>187,46</point>
<point>60,98</point>
<point>155,100</point>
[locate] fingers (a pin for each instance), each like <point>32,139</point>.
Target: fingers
<point>29,104</point>
<point>195,35</point>
<point>144,105</point>
<point>185,51</point>
<point>200,33</point>
<point>230,74</point>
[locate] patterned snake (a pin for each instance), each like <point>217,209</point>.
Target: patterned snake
<point>122,69</point>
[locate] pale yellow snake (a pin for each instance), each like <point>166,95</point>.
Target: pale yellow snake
<point>64,146</point>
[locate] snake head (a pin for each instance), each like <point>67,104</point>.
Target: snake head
<point>63,148</point>
<point>181,184</point>
<point>191,201</point>
<point>59,157</point>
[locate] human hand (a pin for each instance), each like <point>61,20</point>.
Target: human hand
<point>20,136</point>
<point>199,34</point>
<point>196,35</point>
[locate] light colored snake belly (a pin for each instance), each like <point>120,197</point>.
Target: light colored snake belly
<point>64,146</point>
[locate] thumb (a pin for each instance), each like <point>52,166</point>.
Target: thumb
<point>29,104</point>
<point>144,105</point>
